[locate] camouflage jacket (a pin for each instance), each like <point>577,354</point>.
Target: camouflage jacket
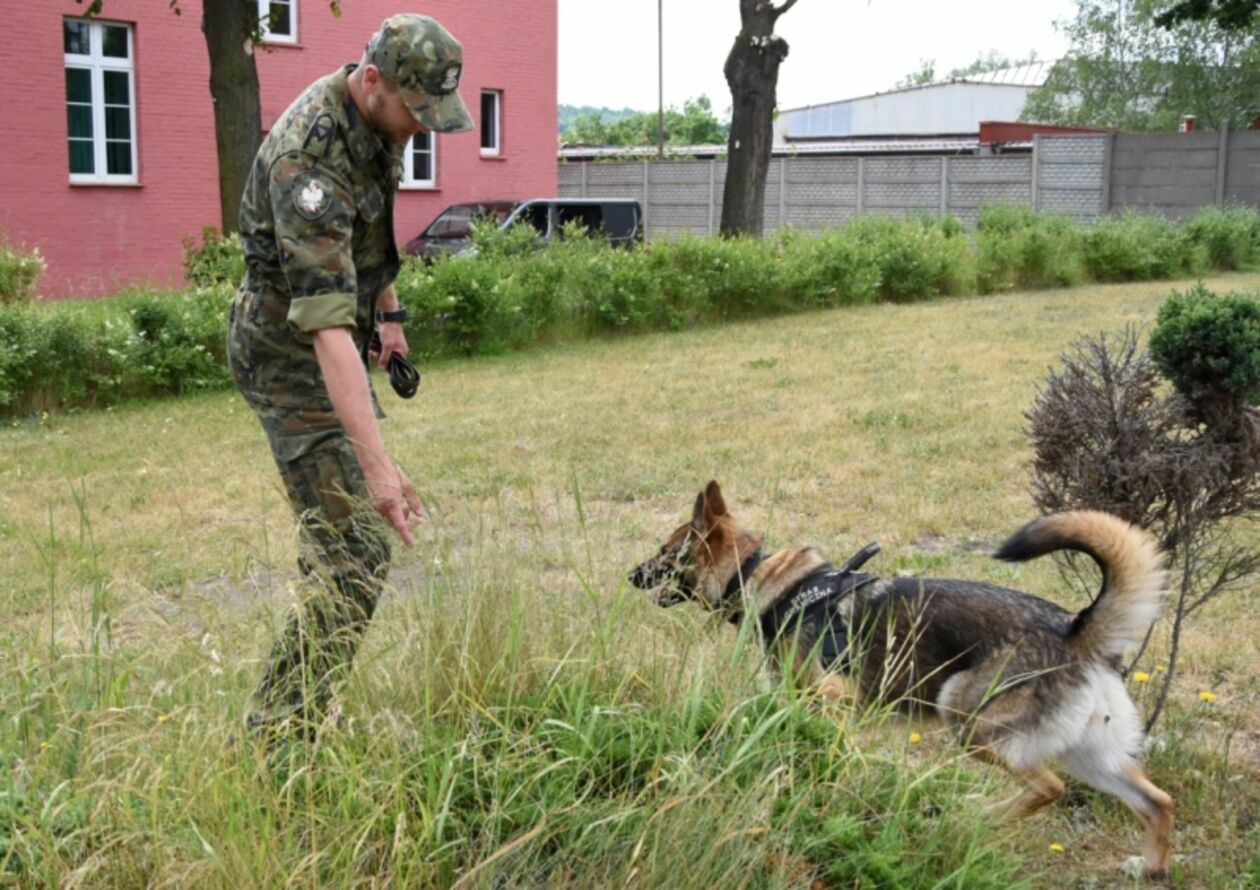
<point>316,222</point>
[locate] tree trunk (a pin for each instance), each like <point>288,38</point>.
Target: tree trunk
<point>230,27</point>
<point>752,71</point>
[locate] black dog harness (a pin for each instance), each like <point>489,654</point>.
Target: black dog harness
<point>815,599</point>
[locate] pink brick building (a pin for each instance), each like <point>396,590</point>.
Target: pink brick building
<point>111,156</point>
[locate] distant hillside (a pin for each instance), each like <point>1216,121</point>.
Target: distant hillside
<point>570,113</point>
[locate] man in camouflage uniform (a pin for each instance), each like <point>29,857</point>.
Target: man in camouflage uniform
<point>317,228</point>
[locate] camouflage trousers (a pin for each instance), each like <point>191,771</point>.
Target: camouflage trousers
<point>344,549</point>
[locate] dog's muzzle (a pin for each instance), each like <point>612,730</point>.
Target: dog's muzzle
<point>644,578</point>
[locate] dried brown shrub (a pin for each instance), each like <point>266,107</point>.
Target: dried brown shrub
<point>1108,433</point>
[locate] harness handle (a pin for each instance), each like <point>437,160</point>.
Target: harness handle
<point>857,560</point>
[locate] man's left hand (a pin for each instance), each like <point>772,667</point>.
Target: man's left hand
<point>392,340</point>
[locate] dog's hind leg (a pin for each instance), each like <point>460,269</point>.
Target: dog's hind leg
<point>1101,758</point>
<point>1042,787</point>
<point>1123,778</point>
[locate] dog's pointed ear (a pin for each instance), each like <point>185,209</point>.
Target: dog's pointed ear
<point>713,497</point>
<point>709,508</point>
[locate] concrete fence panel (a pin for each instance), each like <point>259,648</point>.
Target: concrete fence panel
<point>1070,175</point>
<point>1172,173</point>
<point>1082,176</point>
<point>980,182</point>
<point>1242,168</point>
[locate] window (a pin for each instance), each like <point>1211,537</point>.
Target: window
<point>277,19</point>
<point>420,161</point>
<point>100,101</point>
<point>491,117</point>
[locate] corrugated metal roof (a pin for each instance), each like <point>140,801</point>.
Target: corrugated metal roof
<point>1033,74</point>
<point>1029,76</point>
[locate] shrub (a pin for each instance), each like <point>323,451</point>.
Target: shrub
<point>917,258</point>
<point>19,270</point>
<point>179,338</point>
<point>1139,247</point>
<point>1229,235</point>
<point>99,352</point>
<point>1209,345</point>
<point>1017,247</point>
<point>219,259</point>
<point>1107,435</point>
<point>828,268</point>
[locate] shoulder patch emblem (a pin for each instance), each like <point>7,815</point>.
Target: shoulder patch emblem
<point>319,138</point>
<point>312,195</point>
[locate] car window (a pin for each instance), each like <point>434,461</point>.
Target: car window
<point>590,216</point>
<point>536,216</point>
<point>620,220</point>
<point>456,221</point>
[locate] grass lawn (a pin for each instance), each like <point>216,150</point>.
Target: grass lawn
<point>519,715</point>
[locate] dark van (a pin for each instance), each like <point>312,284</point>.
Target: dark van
<point>620,220</point>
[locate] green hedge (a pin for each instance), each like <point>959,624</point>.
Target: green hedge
<point>19,270</point>
<point>513,295</point>
<point>96,353</point>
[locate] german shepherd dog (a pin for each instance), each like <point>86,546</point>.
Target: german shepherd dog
<point>1021,680</point>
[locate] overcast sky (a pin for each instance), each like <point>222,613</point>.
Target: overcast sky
<point>838,48</point>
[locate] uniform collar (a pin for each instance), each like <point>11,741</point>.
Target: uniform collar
<point>361,140</point>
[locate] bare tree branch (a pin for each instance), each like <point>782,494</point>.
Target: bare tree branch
<point>783,7</point>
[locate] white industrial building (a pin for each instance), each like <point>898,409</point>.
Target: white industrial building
<point>946,110</point>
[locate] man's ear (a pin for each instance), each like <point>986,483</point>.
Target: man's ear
<point>371,75</point>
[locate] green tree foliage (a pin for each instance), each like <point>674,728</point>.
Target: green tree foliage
<point>1231,15</point>
<point>925,75</point>
<point>1123,70</point>
<point>694,125</point>
<point>990,61</point>
<point>569,114</point>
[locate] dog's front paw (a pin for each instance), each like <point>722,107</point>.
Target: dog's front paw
<point>1136,867</point>
<point>833,688</point>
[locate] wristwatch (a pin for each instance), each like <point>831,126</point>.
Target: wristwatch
<point>399,314</point>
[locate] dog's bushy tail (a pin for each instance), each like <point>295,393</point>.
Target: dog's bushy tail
<point>1134,578</point>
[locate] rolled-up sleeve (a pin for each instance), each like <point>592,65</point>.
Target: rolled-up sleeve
<point>314,219</point>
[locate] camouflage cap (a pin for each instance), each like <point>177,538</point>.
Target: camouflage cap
<point>422,58</point>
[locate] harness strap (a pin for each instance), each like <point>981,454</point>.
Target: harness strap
<point>738,580</point>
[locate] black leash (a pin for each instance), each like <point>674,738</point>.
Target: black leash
<point>403,376</point>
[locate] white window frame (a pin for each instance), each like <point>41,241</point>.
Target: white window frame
<point>264,17</point>
<point>493,151</point>
<point>409,179</point>
<point>97,64</point>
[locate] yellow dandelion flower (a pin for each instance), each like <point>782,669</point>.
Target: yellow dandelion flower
<point>915,738</point>
<point>1057,847</point>
<point>161,718</point>
<point>1206,696</point>
<point>1141,677</point>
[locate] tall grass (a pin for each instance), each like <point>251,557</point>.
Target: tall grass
<point>484,743</point>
